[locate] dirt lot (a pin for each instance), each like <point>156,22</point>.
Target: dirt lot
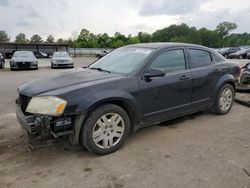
<point>201,150</point>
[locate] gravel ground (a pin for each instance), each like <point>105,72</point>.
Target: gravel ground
<point>200,150</point>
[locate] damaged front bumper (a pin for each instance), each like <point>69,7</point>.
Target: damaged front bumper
<point>47,125</point>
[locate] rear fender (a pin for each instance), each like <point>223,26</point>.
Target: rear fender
<point>227,78</point>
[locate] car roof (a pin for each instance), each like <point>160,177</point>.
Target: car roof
<point>158,45</point>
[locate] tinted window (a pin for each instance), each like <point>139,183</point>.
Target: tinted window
<point>199,58</point>
<point>169,61</point>
<point>217,57</point>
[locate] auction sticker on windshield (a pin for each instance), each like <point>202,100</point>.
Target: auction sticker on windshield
<point>143,51</point>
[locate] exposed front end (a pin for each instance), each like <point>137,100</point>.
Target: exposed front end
<point>40,123</point>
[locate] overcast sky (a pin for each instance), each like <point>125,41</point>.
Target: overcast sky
<point>65,18</point>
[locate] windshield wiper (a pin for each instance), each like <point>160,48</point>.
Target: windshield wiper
<point>99,69</point>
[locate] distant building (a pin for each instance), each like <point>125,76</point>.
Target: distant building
<point>7,49</point>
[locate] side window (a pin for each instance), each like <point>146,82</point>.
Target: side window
<point>199,58</point>
<point>217,58</point>
<point>170,61</point>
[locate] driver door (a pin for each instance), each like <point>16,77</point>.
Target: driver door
<point>169,95</point>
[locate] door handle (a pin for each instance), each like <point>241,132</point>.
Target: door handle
<point>184,77</point>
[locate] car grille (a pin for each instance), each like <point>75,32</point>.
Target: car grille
<point>23,64</point>
<point>62,61</point>
<point>24,101</point>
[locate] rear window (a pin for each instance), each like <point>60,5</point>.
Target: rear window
<point>199,58</point>
<point>217,57</point>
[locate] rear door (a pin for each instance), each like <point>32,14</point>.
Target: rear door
<point>204,76</point>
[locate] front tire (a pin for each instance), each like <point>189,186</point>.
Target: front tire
<point>105,129</point>
<point>224,100</point>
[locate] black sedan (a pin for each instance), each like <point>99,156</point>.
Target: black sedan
<point>130,88</point>
<point>242,54</point>
<point>23,60</point>
<point>41,54</point>
<point>226,51</point>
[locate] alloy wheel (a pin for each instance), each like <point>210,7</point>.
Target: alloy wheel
<point>108,130</point>
<point>226,99</point>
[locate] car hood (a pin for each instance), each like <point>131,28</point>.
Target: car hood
<point>16,59</point>
<point>64,80</point>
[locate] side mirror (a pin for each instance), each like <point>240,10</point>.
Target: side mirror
<point>152,73</point>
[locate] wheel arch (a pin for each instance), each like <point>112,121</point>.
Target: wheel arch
<point>226,79</point>
<point>130,108</point>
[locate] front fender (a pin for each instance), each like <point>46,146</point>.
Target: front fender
<point>90,102</point>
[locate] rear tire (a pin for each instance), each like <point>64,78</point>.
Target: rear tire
<point>105,129</point>
<point>224,100</point>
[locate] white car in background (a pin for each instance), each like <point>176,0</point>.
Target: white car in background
<point>61,59</point>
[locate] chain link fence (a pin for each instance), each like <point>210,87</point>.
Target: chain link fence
<point>78,52</point>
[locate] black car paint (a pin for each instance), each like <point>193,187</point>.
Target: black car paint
<point>239,54</point>
<point>228,51</point>
<point>146,101</point>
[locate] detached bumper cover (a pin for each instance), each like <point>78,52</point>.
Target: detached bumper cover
<point>44,125</point>
<point>27,122</point>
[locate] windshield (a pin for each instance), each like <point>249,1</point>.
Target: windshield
<point>123,60</point>
<point>23,54</point>
<point>60,54</point>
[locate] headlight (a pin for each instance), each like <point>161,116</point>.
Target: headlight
<point>53,106</point>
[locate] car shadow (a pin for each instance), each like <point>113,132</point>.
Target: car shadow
<point>175,123</point>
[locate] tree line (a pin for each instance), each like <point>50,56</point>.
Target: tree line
<point>222,36</point>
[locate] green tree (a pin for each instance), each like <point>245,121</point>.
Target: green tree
<point>50,39</point>
<point>4,37</point>
<point>86,39</point>
<point>36,39</point>
<point>117,44</point>
<point>133,40</point>
<point>178,33</point>
<point>104,41</point>
<point>144,37</point>
<point>225,28</point>
<point>21,38</point>
<point>210,38</point>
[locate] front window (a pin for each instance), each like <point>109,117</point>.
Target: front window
<point>170,61</point>
<point>123,60</point>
